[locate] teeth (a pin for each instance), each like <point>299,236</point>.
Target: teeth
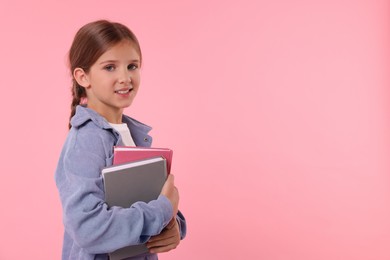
<point>122,91</point>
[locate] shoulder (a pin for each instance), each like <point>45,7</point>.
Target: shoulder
<point>90,131</point>
<point>84,114</point>
<point>92,139</point>
<point>86,151</point>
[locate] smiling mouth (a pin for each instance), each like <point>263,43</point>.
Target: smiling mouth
<point>122,91</point>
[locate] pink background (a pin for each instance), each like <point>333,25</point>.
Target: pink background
<point>277,111</point>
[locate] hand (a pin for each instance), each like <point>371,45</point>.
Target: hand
<point>167,240</point>
<point>170,191</point>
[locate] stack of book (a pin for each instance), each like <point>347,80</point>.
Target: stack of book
<point>137,174</point>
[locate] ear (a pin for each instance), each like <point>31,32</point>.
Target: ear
<point>81,77</point>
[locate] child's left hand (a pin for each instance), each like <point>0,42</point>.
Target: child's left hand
<point>167,240</point>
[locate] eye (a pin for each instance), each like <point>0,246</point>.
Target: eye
<point>132,67</point>
<point>109,67</point>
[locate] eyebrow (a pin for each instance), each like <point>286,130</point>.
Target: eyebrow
<point>115,61</point>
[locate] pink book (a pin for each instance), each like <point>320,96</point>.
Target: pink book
<point>124,154</point>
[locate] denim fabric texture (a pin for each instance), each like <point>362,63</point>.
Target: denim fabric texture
<point>91,228</point>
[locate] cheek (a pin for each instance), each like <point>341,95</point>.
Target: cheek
<point>137,81</point>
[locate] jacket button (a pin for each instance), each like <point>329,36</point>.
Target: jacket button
<point>146,139</point>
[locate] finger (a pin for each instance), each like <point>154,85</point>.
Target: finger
<point>171,224</point>
<point>163,236</point>
<point>163,249</point>
<point>167,232</point>
<point>171,178</point>
<point>160,243</point>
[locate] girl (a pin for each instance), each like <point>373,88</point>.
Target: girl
<point>105,59</point>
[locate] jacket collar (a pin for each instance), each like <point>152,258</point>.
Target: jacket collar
<point>138,130</point>
<point>84,114</point>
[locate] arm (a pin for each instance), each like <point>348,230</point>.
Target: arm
<point>87,218</point>
<point>176,230</point>
<point>170,237</point>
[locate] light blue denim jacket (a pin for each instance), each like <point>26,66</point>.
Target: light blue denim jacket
<point>91,229</point>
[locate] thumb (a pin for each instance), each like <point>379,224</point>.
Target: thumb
<point>171,178</point>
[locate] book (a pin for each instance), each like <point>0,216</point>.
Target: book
<point>125,184</point>
<point>123,154</point>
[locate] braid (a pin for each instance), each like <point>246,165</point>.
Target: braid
<point>78,93</point>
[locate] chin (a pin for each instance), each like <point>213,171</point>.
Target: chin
<point>126,105</point>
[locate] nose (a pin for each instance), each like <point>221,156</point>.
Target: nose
<point>125,77</point>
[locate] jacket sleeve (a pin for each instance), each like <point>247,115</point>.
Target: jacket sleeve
<point>182,224</point>
<point>86,217</point>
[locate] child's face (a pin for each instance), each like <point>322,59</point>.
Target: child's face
<point>114,79</point>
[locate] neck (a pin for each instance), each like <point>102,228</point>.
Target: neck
<point>111,115</point>
<point>114,119</point>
